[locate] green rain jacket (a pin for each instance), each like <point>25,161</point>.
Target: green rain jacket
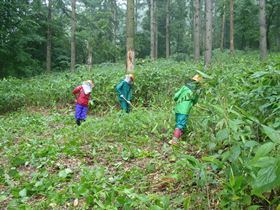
<point>186,97</point>
<point>125,89</point>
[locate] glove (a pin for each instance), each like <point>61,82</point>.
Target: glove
<point>91,102</point>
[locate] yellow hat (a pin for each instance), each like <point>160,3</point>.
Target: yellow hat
<point>197,78</point>
<point>131,76</point>
<point>90,82</point>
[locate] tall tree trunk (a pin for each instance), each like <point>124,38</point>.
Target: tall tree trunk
<point>231,26</point>
<point>214,24</point>
<point>202,28</point>
<point>136,15</point>
<point>153,30</point>
<point>223,27</point>
<point>267,36</point>
<point>263,44</point>
<point>89,59</point>
<point>167,41</point>
<point>278,34</point>
<point>152,50</point>
<point>73,38</point>
<point>156,31</point>
<point>196,37</point>
<point>49,37</point>
<point>268,23</point>
<point>269,19</point>
<point>208,32</point>
<point>130,59</point>
<point>115,19</point>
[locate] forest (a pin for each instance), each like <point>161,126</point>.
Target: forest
<point>124,153</point>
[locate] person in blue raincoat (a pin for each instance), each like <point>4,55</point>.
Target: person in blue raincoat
<point>124,91</point>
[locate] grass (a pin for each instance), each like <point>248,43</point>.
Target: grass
<point>122,161</point>
<point>48,161</point>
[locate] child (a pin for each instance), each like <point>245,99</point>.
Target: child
<point>82,100</point>
<point>124,90</point>
<point>185,98</point>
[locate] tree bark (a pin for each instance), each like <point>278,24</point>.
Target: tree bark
<point>203,28</point>
<point>231,26</point>
<point>196,37</point>
<point>130,58</point>
<point>153,30</point>
<point>49,37</point>
<point>263,44</point>
<point>73,38</point>
<point>156,31</point>
<point>89,59</point>
<point>208,32</point>
<point>223,27</point>
<point>152,41</point>
<point>115,19</point>
<point>167,35</point>
<point>278,34</point>
<point>269,19</point>
<point>136,15</point>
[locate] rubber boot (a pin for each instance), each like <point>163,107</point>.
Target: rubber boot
<point>176,135</point>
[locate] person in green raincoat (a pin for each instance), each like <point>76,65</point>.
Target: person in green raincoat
<point>124,91</point>
<point>185,99</point>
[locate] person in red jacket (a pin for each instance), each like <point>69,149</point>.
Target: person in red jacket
<point>82,100</point>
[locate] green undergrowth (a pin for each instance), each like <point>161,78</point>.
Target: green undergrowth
<point>56,89</point>
<point>228,158</point>
<point>114,161</point>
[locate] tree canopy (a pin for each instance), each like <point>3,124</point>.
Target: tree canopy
<point>101,31</point>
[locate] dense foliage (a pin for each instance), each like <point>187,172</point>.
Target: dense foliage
<point>229,159</point>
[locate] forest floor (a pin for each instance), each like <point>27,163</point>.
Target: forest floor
<point>49,162</point>
<point>228,158</point>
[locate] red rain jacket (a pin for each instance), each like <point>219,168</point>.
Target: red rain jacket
<point>82,98</point>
